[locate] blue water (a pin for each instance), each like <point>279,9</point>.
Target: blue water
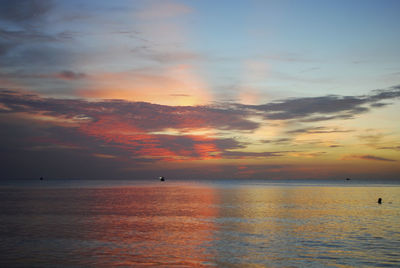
<point>73,223</point>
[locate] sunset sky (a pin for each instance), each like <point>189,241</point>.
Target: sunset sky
<point>200,89</point>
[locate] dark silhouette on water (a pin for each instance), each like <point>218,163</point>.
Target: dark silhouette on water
<point>162,178</point>
<point>347,179</point>
<point>41,178</point>
<point>379,200</point>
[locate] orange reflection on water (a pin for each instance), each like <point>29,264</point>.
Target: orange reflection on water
<point>154,226</point>
<point>166,225</point>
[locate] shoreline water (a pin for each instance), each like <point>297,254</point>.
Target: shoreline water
<point>96,223</point>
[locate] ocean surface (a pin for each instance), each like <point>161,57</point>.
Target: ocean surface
<point>73,223</point>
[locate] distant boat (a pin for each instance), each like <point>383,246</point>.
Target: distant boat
<point>347,179</point>
<point>161,178</point>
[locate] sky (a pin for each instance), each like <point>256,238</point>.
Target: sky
<point>200,89</point>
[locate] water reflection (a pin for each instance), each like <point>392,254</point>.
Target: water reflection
<point>308,226</point>
<point>200,225</point>
<point>107,227</point>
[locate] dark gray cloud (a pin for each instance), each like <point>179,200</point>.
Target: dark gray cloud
<point>5,47</point>
<point>24,10</point>
<point>317,130</point>
<point>19,23</point>
<point>70,75</point>
<point>19,36</point>
<point>305,107</point>
<point>26,44</point>
<point>326,107</point>
<point>64,75</point>
<point>379,104</point>
<point>335,146</point>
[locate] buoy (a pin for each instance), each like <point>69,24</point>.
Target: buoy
<point>379,200</point>
<point>162,178</point>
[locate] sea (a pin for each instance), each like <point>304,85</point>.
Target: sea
<point>204,223</point>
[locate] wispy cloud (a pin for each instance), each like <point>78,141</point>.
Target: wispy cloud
<point>242,154</point>
<point>395,148</point>
<point>69,75</point>
<point>367,157</point>
<point>317,130</point>
<point>23,21</point>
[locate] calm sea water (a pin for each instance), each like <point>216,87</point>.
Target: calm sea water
<point>184,224</point>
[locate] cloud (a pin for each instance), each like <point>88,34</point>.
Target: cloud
<point>324,108</point>
<point>21,20</point>
<point>132,126</point>
<point>159,132</point>
<point>24,10</point>
<point>305,107</point>
<point>395,148</point>
<point>104,156</point>
<point>20,36</point>
<point>25,40</point>
<point>64,75</point>
<point>278,141</point>
<point>367,157</point>
<point>372,140</point>
<point>127,136</point>
<point>317,130</point>
<point>307,154</point>
<point>148,52</point>
<point>220,116</point>
<point>242,154</point>
<point>70,75</point>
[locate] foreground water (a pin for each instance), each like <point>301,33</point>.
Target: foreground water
<point>180,224</point>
